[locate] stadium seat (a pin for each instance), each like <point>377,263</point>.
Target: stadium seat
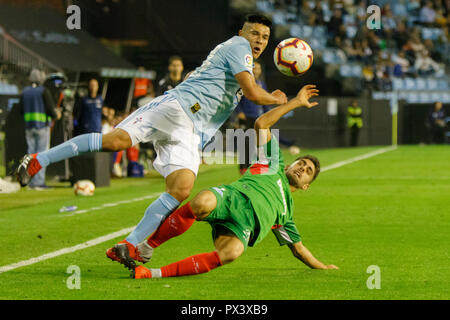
<point>432,84</point>
<point>264,6</point>
<point>410,84</point>
<point>421,84</point>
<point>397,84</point>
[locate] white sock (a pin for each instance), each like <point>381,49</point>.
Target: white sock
<point>156,273</point>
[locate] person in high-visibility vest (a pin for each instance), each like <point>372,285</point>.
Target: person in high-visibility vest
<point>354,122</point>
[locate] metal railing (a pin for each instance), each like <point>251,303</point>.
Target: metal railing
<point>21,59</point>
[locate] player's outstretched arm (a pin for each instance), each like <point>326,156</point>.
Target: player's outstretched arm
<point>303,254</point>
<point>268,119</point>
<point>253,92</point>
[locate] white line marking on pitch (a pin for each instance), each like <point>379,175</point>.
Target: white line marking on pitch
<point>54,254</point>
<point>108,205</point>
<point>122,232</point>
<point>357,158</point>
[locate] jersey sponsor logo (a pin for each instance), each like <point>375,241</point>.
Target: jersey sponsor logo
<point>195,108</point>
<point>280,184</point>
<point>249,61</point>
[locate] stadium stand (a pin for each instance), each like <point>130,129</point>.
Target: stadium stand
<point>406,53</point>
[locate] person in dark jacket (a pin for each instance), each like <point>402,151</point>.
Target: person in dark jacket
<point>87,113</point>
<point>38,109</point>
<point>174,77</point>
<point>437,123</point>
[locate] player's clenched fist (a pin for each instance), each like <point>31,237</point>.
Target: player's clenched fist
<point>280,96</point>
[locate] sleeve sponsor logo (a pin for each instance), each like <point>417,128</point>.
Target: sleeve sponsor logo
<point>249,61</point>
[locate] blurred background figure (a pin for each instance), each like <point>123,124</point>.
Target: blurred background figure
<point>174,77</point>
<point>438,124</point>
<point>354,122</point>
<point>143,90</point>
<point>88,111</point>
<point>107,119</point>
<point>38,108</point>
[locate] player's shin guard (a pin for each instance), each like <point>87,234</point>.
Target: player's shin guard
<point>177,223</point>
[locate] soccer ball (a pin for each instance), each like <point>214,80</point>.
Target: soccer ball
<point>84,188</point>
<point>293,57</point>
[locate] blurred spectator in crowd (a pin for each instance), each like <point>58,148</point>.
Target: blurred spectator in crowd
<point>399,8</point>
<point>38,108</point>
<point>361,12</point>
<point>437,123</point>
<point>354,122</point>
<point>142,86</point>
<point>427,14</point>
<point>174,77</point>
<point>413,47</point>
<point>143,90</point>
<point>413,7</point>
<point>400,34</point>
<point>401,64</point>
<point>367,52</point>
<point>87,113</point>
<point>107,119</point>
<point>426,66</point>
<point>434,54</point>
<point>319,13</point>
<point>387,21</point>
<point>441,20</point>
<point>335,22</point>
<point>305,11</point>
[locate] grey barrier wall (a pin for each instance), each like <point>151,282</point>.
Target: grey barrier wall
<point>325,126</point>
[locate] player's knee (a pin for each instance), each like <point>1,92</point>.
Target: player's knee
<point>229,254</point>
<point>203,203</point>
<point>116,140</point>
<point>180,194</point>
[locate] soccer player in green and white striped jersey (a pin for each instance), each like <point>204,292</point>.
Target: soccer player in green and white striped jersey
<point>242,214</point>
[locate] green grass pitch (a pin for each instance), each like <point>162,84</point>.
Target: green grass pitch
<point>391,210</point>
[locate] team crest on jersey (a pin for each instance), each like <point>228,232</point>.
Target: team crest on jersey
<point>249,61</point>
<point>138,119</point>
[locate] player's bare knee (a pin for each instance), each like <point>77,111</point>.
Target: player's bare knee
<point>116,140</point>
<point>229,254</point>
<point>203,203</point>
<point>180,194</point>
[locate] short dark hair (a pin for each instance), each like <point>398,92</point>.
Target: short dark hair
<point>258,18</point>
<point>313,160</point>
<point>175,58</point>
